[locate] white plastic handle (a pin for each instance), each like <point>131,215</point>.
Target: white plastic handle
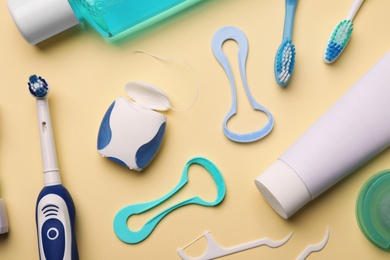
<point>354,9</point>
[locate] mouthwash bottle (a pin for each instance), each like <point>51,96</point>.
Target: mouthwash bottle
<point>38,20</point>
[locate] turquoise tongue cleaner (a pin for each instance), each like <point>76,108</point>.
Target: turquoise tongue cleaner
<point>132,237</point>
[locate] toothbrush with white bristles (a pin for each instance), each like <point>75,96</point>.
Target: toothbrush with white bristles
<point>55,211</point>
<point>285,55</point>
<point>341,34</point>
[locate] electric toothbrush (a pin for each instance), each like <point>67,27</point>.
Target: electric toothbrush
<point>55,211</point>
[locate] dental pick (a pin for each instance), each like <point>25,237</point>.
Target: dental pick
<point>315,248</point>
<point>215,251</point>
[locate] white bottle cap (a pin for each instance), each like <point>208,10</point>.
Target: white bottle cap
<point>38,20</point>
<point>3,218</point>
<point>283,189</point>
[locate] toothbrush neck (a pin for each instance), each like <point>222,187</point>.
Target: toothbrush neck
<point>289,20</point>
<point>49,156</point>
<point>354,9</point>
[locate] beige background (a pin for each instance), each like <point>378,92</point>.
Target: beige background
<point>87,73</point>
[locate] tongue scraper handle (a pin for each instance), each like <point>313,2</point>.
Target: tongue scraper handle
<point>233,33</point>
<point>132,237</point>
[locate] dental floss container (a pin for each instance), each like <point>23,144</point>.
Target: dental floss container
<point>351,132</point>
<point>3,218</point>
<point>38,20</point>
<point>131,131</point>
<point>373,210</point>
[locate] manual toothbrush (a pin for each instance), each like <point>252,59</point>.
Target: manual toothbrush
<point>285,56</point>
<point>55,211</point>
<point>341,34</point>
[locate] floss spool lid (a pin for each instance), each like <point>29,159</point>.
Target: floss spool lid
<point>148,95</point>
<point>373,210</point>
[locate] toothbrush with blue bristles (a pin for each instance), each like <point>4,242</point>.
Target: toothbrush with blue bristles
<point>55,211</point>
<point>285,56</point>
<point>341,34</point>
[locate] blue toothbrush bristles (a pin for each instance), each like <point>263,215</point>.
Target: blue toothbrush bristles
<point>338,40</point>
<point>38,86</point>
<point>284,62</point>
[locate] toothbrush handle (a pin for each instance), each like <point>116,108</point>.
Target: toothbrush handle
<point>55,216</point>
<point>354,9</point>
<point>49,155</point>
<point>289,19</point>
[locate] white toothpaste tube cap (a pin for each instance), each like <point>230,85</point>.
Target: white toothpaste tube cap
<point>283,189</point>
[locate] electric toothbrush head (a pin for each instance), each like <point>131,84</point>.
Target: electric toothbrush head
<point>38,86</point>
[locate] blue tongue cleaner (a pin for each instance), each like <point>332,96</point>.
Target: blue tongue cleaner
<point>233,33</point>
